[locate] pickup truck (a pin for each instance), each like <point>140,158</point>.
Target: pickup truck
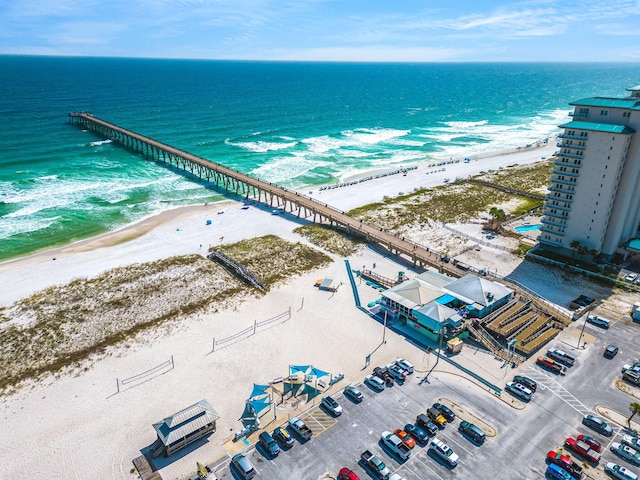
<point>375,465</point>
<point>551,365</point>
<point>561,356</point>
<point>300,428</point>
<point>395,444</point>
<point>565,462</point>
<point>582,449</point>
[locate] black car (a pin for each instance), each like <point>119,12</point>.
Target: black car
<point>446,411</point>
<point>384,375</point>
<point>610,352</point>
<point>269,444</point>
<point>526,381</point>
<point>471,431</point>
<point>418,434</point>
<point>426,424</point>
<point>282,436</point>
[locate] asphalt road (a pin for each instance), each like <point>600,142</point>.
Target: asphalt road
<point>517,451</point>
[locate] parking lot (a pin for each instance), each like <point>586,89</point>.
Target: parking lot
<point>523,435</point>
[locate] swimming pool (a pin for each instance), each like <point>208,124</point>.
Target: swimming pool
<point>526,228</point>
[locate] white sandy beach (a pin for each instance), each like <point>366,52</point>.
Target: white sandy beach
<point>77,426</point>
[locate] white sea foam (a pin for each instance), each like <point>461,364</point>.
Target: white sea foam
<point>262,146</point>
<point>285,168</point>
<point>10,227</point>
<point>100,142</point>
<point>369,136</point>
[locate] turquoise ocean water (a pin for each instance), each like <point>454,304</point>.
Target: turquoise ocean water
<point>295,124</point>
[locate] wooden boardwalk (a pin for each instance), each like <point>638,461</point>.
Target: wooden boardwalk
<point>144,469</point>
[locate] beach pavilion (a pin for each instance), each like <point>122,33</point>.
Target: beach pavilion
<point>183,428</point>
<point>479,295</point>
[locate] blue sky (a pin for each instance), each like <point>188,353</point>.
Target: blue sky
<point>326,30</point>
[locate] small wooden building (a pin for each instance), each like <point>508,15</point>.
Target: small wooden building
<point>184,427</point>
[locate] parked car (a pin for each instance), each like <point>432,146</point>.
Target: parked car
<point>281,435</point>
<point>631,277</point>
<point>347,474</point>
<point>426,424</point>
<point>405,365</point>
<point>633,442</point>
<point>526,381</point>
<point>557,473</point>
<point>444,451</point>
<point>374,382</point>
<point>561,356</point>
<point>610,352</point>
<point>566,463</point>
<point>591,442</point>
<point>599,321</point>
<point>519,390</point>
<point>471,431</point>
<point>551,365</point>
<point>583,449</point>
<point>631,377</point>
<point>331,405</point>
<point>437,418</point>
<point>243,466</point>
<point>397,372</point>
<point>406,438</point>
<point>353,393</point>
<point>619,472</point>
<point>269,444</point>
<point>419,435</point>
<point>445,411</point>
<point>635,368</point>
<point>597,424</point>
<point>624,451</point>
<point>383,375</point>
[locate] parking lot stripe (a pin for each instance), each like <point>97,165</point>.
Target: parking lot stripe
<point>549,383</point>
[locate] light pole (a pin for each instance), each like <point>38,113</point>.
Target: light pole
<point>586,316</point>
<point>384,327</point>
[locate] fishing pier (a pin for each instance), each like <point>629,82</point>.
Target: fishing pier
<point>252,188</point>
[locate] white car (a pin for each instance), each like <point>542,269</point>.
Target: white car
<point>519,390</point>
<point>374,382</point>
<point>405,365</point>
<point>631,277</point>
<point>619,472</point>
<point>330,404</point>
<point>395,476</point>
<point>599,321</point>
<point>444,451</point>
<point>626,452</point>
<point>633,442</point>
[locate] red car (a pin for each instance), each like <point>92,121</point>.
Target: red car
<point>346,474</point>
<point>582,449</point>
<point>566,463</point>
<point>592,442</point>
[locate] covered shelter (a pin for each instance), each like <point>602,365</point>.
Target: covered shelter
<point>438,318</point>
<point>184,427</point>
<point>478,295</point>
<point>401,300</point>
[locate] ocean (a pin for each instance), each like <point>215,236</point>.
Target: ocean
<point>295,124</point>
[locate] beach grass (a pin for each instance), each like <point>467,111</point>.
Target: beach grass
<point>331,240</point>
<point>64,325</point>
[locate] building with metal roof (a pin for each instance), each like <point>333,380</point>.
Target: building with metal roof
<point>184,427</point>
<point>593,200</point>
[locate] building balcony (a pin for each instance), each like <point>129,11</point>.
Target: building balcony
<point>555,223</point>
<point>564,191</point>
<point>579,114</point>
<point>551,231</point>
<point>550,204</point>
<point>577,156</point>
<point>562,172</point>
<point>548,213</point>
<point>573,137</point>
<point>550,241</point>
<point>555,198</point>
<point>571,145</point>
<point>562,182</point>
<point>558,162</point>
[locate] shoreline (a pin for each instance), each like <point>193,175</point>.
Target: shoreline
<point>145,225</point>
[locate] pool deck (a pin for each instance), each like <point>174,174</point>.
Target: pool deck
<point>525,221</point>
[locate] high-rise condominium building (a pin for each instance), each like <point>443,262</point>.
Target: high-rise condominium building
<point>594,191</point>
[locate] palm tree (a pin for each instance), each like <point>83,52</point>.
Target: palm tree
<point>634,407</point>
<point>574,245</point>
<point>497,214</point>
